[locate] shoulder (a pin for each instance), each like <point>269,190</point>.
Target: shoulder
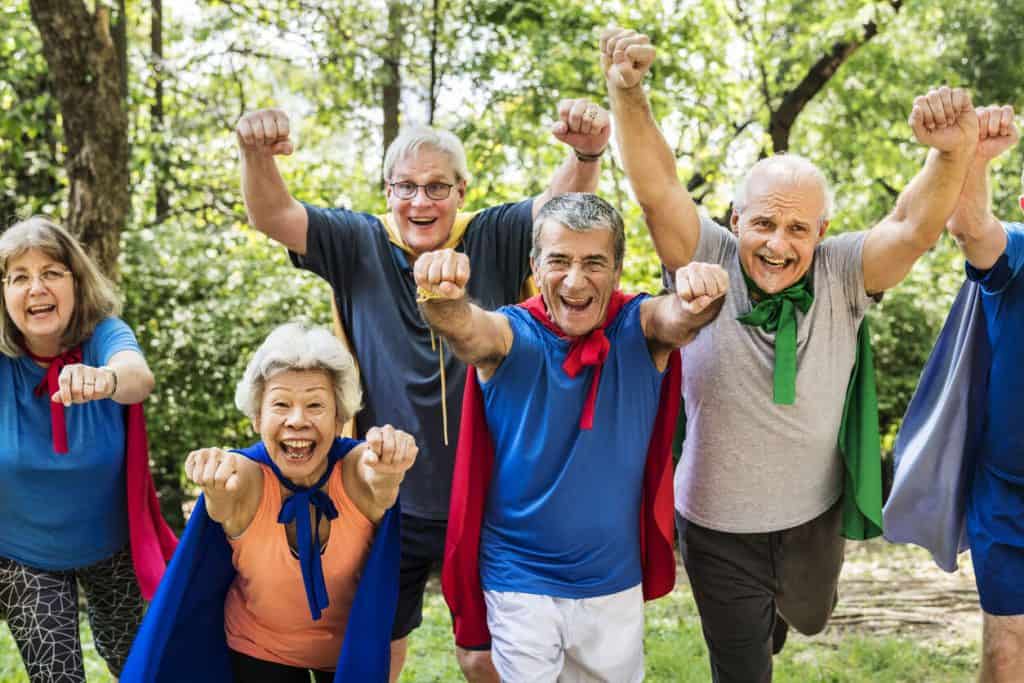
<point>338,218</point>
<point>510,214</point>
<point>715,244</point>
<point>111,336</point>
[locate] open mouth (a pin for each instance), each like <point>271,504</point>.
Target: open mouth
<point>423,222</point>
<point>298,450</point>
<point>41,310</point>
<point>576,305</point>
<point>774,263</point>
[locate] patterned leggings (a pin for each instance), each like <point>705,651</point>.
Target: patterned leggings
<point>41,609</point>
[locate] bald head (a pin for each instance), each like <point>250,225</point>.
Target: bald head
<point>780,171</point>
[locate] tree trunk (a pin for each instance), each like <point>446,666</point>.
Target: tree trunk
<point>435,21</point>
<point>391,73</point>
<point>156,48</point>
<point>87,79</point>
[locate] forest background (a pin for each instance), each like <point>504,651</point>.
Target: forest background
<point>117,118</point>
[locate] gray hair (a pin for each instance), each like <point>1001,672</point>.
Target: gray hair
<point>581,211</point>
<point>411,140</point>
<point>293,346</point>
<point>95,296</point>
<point>791,167</point>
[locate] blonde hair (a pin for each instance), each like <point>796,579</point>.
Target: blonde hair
<point>95,296</point>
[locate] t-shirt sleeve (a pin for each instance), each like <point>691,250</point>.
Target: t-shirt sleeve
<point>842,261</point>
<point>526,353</point>
<point>333,239</point>
<point>505,234</point>
<point>716,244</point>
<point>1007,267</point>
<point>110,337</point>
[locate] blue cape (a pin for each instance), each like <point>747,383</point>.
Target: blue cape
<point>182,636</point>
<point>936,446</point>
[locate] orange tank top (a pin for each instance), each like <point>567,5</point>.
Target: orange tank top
<point>266,615</point>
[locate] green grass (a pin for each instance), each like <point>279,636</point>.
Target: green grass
<point>675,653</point>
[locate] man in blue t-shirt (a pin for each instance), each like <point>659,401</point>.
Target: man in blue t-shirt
<point>995,503</point>
<point>368,261</point>
<point>571,386</point>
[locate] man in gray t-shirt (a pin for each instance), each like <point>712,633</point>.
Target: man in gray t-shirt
<point>758,486</point>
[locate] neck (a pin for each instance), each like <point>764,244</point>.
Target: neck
<point>43,348</point>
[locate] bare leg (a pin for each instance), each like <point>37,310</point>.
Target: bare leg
<point>399,648</point>
<point>1002,657</point>
<point>477,666</point>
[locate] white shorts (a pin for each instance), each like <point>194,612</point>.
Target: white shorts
<point>540,639</point>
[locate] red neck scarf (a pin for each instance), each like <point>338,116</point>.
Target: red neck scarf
<point>49,386</point>
<point>588,350</point>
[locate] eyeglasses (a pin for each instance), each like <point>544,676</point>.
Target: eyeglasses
<point>23,281</point>
<point>407,190</point>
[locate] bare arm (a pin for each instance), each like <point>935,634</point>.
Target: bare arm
<point>673,320</point>
<point>976,229</point>
<point>477,337</point>
<point>373,473</point>
<point>650,165</point>
<point>944,120</point>
<point>271,208</point>
<point>126,378</point>
<point>232,485</point>
<point>585,127</point>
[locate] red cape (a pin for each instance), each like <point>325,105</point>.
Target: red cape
<point>474,463</point>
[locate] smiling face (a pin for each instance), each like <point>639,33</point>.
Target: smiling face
<point>779,228</point>
<point>576,273</point>
<point>297,422</point>
<point>425,223</point>
<point>40,302</point>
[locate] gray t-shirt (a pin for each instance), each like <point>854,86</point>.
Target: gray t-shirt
<point>748,464</point>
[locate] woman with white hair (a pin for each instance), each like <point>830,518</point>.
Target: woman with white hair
<point>300,514</point>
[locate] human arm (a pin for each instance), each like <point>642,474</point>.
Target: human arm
<point>585,128</point>
<point>231,483</point>
<point>650,165</point>
<point>945,121</point>
<point>272,210</point>
<point>976,229</point>
<point>673,320</point>
<point>126,378</point>
<point>477,337</point>
<point>375,469</point>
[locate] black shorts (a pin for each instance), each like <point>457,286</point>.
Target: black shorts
<point>422,553</point>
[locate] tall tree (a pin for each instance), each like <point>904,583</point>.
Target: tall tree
<point>87,74</point>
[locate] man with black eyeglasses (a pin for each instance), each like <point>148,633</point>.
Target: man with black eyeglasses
<point>410,380</point>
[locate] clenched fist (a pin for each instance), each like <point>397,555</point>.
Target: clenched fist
<point>626,56</point>
<point>997,131</point>
<point>698,285</point>
<point>442,274</point>
<point>388,454</point>
<point>945,119</point>
<point>213,469</point>
<point>83,383</point>
<point>582,125</point>
<point>265,131</point>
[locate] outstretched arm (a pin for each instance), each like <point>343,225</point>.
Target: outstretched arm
<point>976,229</point>
<point>126,379</point>
<point>232,485</point>
<point>944,120</point>
<point>585,128</point>
<point>477,337</point>
<point>272,209</point>
<point>377,470</point>
<point>670,212</point>
<point>673,320</point>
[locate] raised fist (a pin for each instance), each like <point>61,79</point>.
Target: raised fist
<point>582,125</point>
<point>265,131</point>
<point>442,274</point>
<point>626,56</point>
<point>213,469</point>
<point>698,285</point>
<point>945,119</point>
<point>388,454</point>
<point>997,131</point>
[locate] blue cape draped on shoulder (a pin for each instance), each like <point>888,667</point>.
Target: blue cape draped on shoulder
<point>182,636</point>
<point>935,447</point>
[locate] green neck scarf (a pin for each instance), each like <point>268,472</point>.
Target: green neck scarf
<point>777,313</point>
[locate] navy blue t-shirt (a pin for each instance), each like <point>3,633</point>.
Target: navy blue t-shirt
<point>376,297</point>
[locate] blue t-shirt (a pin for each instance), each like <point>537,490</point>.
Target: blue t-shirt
<point>563,508</point>
<point>375,293</point>
<point>62,511</point>
<point>1003,302</point>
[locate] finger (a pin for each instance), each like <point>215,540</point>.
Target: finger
<point>244,130</point>
<point>285,148</point>
<point>209,472</point>
<point>925,112</point>
<point>984,115</point>
<point>579,107</point>
<point>559,128</point>
<point>721,281</point>
<point>601,122</point>
<point>373,439</point>
<point>683,289</point>
<point>224,471</point>
<point>916,121</point>
<point>698,305</point>
<point>587,122</point>
<point>641,55</point>
<point>403,445</point>
<point>436,269</point>
<point>956,104</point>
<point>936,106</point>
<point>284,126</point>
<point>462,270</point>
<point>102,388</point>
<point>1005,120</point>
<point>421,270</point>
<point>269,122</point>
<point>607,36</point>
<point>450,290</point>
<point>387,451</point>
<point>616,40</point>
<point>448,267</point>
<point>564,107</point>
<point>233,483</point>
<point>995,123</point>
<point>76,385</point>
<point>88,385</point>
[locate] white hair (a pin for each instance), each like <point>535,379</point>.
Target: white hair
<point>293,346</point>
<point>791,167</point>
<point>412,140</point>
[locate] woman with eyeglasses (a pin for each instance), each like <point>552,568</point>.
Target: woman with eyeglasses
<point>73,466</point>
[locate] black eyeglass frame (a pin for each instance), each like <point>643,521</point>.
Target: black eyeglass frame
<point>416,188</point>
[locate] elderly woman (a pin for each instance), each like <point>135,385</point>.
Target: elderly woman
<point>286,601</point>
<point>66,364</point>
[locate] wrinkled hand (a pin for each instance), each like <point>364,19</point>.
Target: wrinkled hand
<point>582,125</point>
<point>265,131</point>
<point>388,454</point>
<point>698,285</point>
<point>945,119</point>
<point>997,131</point>
<point>626,56</point>
<point>213,469</point>
<point>442,274</point>
<point>83,383</point>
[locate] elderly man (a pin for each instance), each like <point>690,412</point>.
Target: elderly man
<point>368,261</point>
<point>759,489</point>
<point>557,509</point>
<point>995,500</point>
